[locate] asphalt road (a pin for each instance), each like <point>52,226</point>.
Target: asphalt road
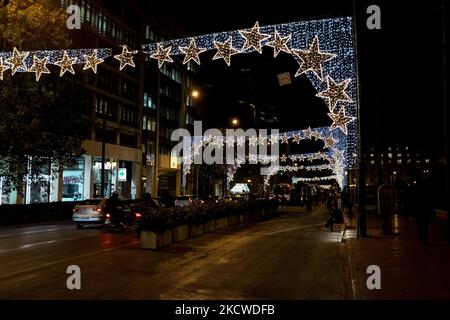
<point>289,257</point>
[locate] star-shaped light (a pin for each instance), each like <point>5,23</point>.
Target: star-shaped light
<point>225,50</point>
<point>240,141</point>
<point>39,67</point>
<point>316,135</point>
<point>162,55</point>
<point>92,61</point>
<point>340,120</point>
<point>296,138</point>
<point>262,140</point>
<point>17,61</point>
<point>253,38</point>
<point>308,133</point>
<point>192,52</point>
<point>338,155</point>
<point>284,138</point>
<point>335,92</point>
<point>274,139</point>
<point>3,68</point>
<point>229,142</point>
<point>283,158</point>
<point>279,44</point>
<point>312,59</point>
<point>66,64</point>
<point>329,141</point>
<point>126,57</point>
<point>252,141</point>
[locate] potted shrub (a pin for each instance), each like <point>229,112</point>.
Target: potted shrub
<point>155,232</point>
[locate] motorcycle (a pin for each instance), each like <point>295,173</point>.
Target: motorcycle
<point>115,220</point>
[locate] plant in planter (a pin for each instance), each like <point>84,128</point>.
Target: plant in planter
<point>155,229</point>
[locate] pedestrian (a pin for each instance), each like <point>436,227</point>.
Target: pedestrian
<point>284,202</point>
<point>423,208</point>
<point>336,217</point>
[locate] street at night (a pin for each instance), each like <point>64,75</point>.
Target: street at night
<point>247,258</point>
<point>205,156</point>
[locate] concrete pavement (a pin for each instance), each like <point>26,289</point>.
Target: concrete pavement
<point>409,270</point>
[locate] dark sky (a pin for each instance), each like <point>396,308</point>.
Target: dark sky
<point>399,65</point>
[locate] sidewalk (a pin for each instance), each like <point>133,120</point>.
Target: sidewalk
<point>409,270</point>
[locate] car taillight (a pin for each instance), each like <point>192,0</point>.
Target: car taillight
<point>138,215</point>
<point>98,209</point>
<point>75,209</point>
<point>108,215</point>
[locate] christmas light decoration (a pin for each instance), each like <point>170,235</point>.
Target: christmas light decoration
<point>92,61</point>
<point>274,139</point>
<point>225,50</point>
<point>17,61</point>
<point>66,64</point>
<point>312,59</point>
<point>329,141</point>
<point>283,158</point>
<point>3,68</point>
<point>279,44</point>
<point>39,67</point>
<point>335,92</point>
<point>162,55</point>
<point>252,140</point>
<point>308,133</point>
<point>240,141</point>
<point>285,138</point>
<point>296,138</point>
<point>192,52</point>
<point>126,57</point>
<point>340,120</point>
<point>253,38</point>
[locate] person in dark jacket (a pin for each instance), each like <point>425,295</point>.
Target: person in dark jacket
<point>336,217</point>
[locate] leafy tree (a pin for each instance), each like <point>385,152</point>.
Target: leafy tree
<point>39,121</point>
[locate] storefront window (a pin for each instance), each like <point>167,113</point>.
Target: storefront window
<point>73,182</point>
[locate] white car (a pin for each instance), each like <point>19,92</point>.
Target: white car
<point>183,201</point>
<point>90,211</point>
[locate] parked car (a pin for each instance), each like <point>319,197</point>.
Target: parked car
<point>184,201</point>
<point>89,212</point>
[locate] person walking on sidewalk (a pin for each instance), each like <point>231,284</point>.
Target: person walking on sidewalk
<point>423,207</point>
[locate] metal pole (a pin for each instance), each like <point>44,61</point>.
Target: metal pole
<point>102,182</point>
<point>361,221</point>
<point>157,154</point>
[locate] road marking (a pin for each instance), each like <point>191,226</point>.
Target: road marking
<point>34,232</point>
<point>81,256</point>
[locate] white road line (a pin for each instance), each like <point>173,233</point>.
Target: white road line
<point>49,264</point>
<point>34,232</point>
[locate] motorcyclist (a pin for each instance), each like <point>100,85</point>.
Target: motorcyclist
<point>115,209</point>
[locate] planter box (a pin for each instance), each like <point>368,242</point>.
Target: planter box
<point>210,226</point>
<point>180,233</point>
<point>196,230</point>
<point>155,240</point>
<point>221,223</point>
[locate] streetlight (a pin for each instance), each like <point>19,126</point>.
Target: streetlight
<point>234,121</point>
<point>195,94</point>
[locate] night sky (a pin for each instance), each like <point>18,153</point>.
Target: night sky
<point>400,67</point>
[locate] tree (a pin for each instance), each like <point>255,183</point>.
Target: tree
<point>41,123</point>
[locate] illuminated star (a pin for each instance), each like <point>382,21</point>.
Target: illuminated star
<point>162,55</point>
<point>262,140</point>
<point>335,92</point>
<point>254,38</point>
<point>308,133</point>
<point>17,61</point>
<point>283,158</point>
<point>3,68</point>
<point>224,51</point>
<point>329,141</point>
<point>279,44</point>
<point>338,155</point>
<point>312,59</point>
<point>192,52</point>
<point>126,57</point>
<point>340,120</point>
<point>92,61</point>
<point>230,142</point>
<point>39,67</point>
<point>252,140</point>
<point>296,138</point>
<point>284,138</point>
<point>66,64</point>
<point>274,139</point>
<point>240,141</point>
